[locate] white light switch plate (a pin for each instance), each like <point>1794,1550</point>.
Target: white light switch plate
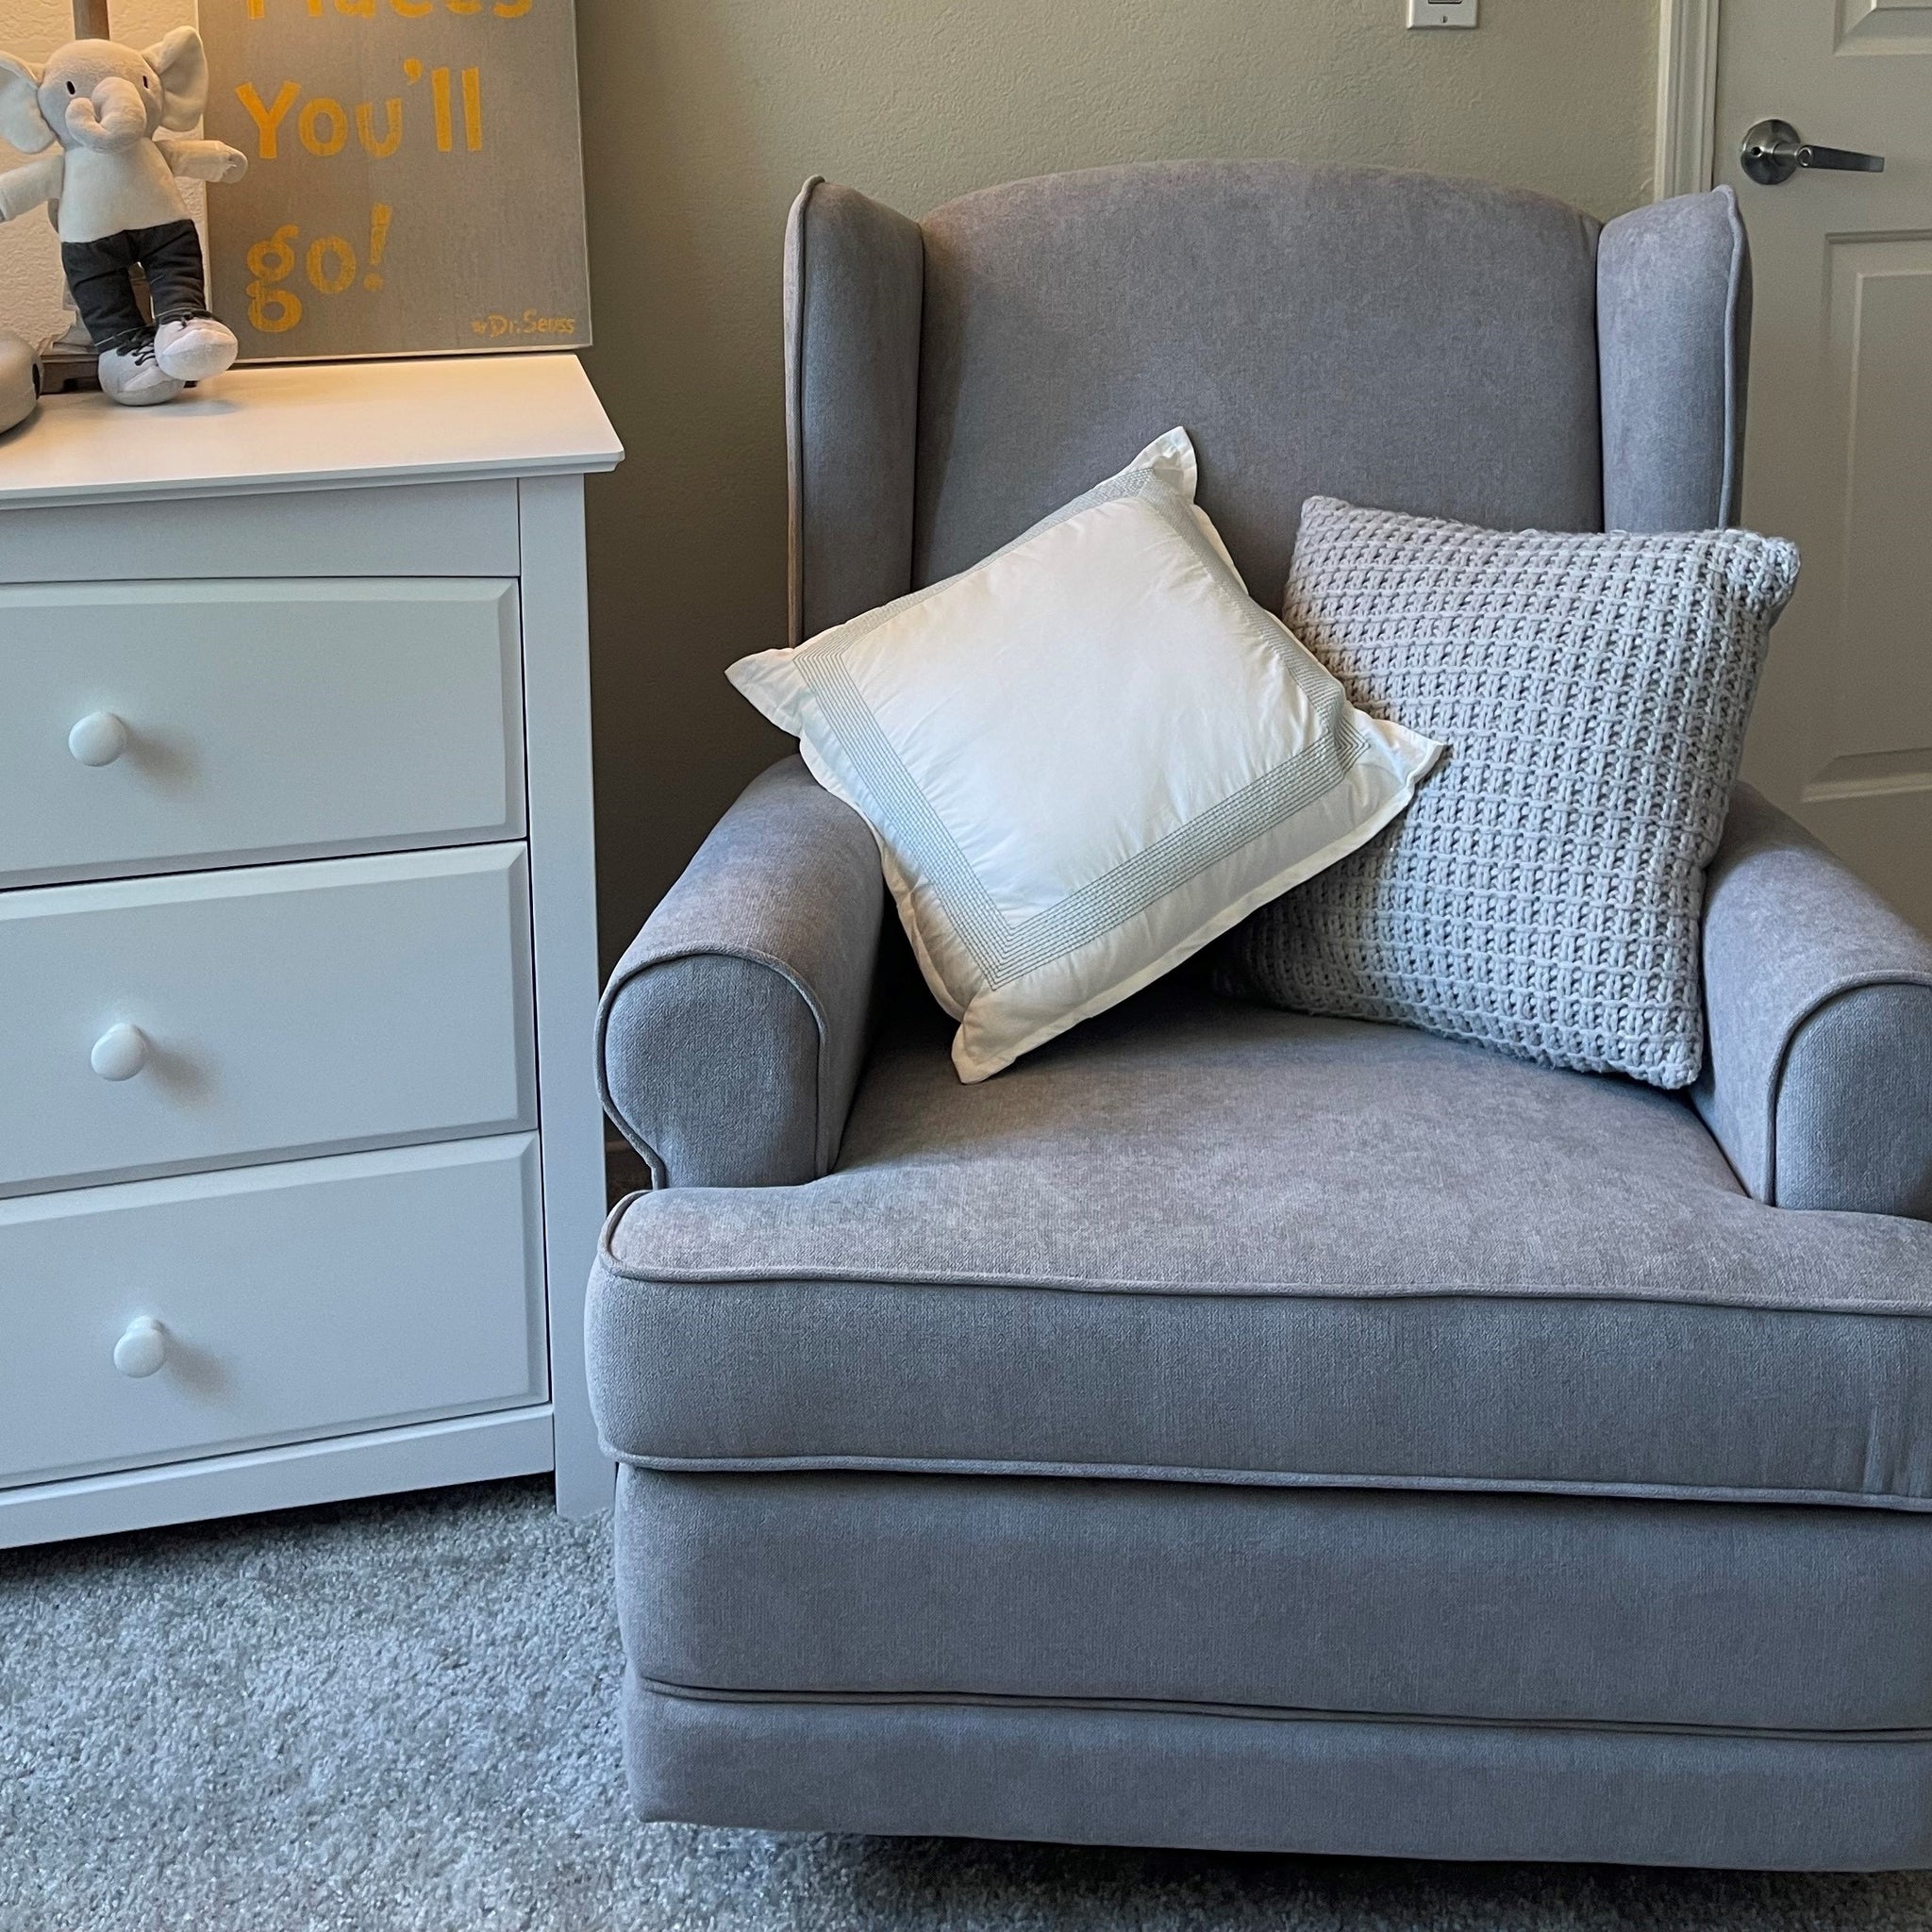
<point>1442,12</point>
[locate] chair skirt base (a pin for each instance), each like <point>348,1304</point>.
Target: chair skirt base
<point>1262,1782</point>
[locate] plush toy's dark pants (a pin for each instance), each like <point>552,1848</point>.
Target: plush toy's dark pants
<point>97,275</point>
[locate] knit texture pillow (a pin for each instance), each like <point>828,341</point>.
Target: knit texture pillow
<point>1542,896</point>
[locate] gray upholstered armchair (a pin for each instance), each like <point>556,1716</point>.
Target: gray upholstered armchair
<point>1229,1427</point>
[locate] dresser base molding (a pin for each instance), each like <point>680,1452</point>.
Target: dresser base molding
<point>427,1455</point>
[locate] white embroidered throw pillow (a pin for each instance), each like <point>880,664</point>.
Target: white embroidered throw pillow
<point>1085,757</point>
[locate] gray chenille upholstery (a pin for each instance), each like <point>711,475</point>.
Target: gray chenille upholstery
<point>1231,1427</point>
<point>1205,1239</point>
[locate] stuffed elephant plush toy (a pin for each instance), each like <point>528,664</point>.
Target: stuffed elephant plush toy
<point>116,202</point>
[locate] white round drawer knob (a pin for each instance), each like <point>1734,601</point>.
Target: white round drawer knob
<point>99,739</point>
<point>120,1053</point>
<point>142,1350</point>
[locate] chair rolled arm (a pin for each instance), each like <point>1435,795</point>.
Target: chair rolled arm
<point>730,1036</point>
<point>1818,1078</point>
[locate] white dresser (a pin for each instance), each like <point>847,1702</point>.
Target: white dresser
<point>301,1160</point>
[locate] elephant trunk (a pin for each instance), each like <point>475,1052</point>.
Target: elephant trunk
<point>114,116</point>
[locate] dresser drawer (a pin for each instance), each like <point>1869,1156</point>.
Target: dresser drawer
<point>165,1024</point>
<point>267,1306</point>
<point>243,720</point>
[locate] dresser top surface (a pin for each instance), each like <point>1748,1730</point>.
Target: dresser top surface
<point>315,426</point>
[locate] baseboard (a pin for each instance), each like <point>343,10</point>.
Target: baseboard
<point>424,1456</point>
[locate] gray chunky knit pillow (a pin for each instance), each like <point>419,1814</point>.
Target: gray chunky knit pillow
<point>1543,894</point>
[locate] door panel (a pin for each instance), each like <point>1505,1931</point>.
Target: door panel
<point>1840,449</point>
<point>1881,330</point>
<point>1883,26</point>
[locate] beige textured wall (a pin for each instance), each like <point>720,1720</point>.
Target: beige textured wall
<point>703,117</point>
<point>30,285</point>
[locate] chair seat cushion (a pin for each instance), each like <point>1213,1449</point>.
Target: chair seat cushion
<point>1211,1241</point>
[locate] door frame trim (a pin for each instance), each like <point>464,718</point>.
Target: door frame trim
<point>1685,158</point>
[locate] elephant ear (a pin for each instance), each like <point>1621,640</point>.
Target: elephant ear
<point>21,124</point>
<point>182,64</point>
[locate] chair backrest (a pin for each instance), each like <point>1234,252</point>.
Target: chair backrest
<point>1437,346</point>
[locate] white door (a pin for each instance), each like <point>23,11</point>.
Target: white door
<point>1840,448</point>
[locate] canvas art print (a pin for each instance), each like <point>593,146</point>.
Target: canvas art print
<point>415,184</point>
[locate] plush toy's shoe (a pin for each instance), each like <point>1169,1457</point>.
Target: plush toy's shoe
<point>134,376</point>
<point>197,349</point>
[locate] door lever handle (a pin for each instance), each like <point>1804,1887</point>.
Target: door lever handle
<point>1773,152</point>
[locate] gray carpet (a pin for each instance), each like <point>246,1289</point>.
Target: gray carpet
<point>400,1715</point>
